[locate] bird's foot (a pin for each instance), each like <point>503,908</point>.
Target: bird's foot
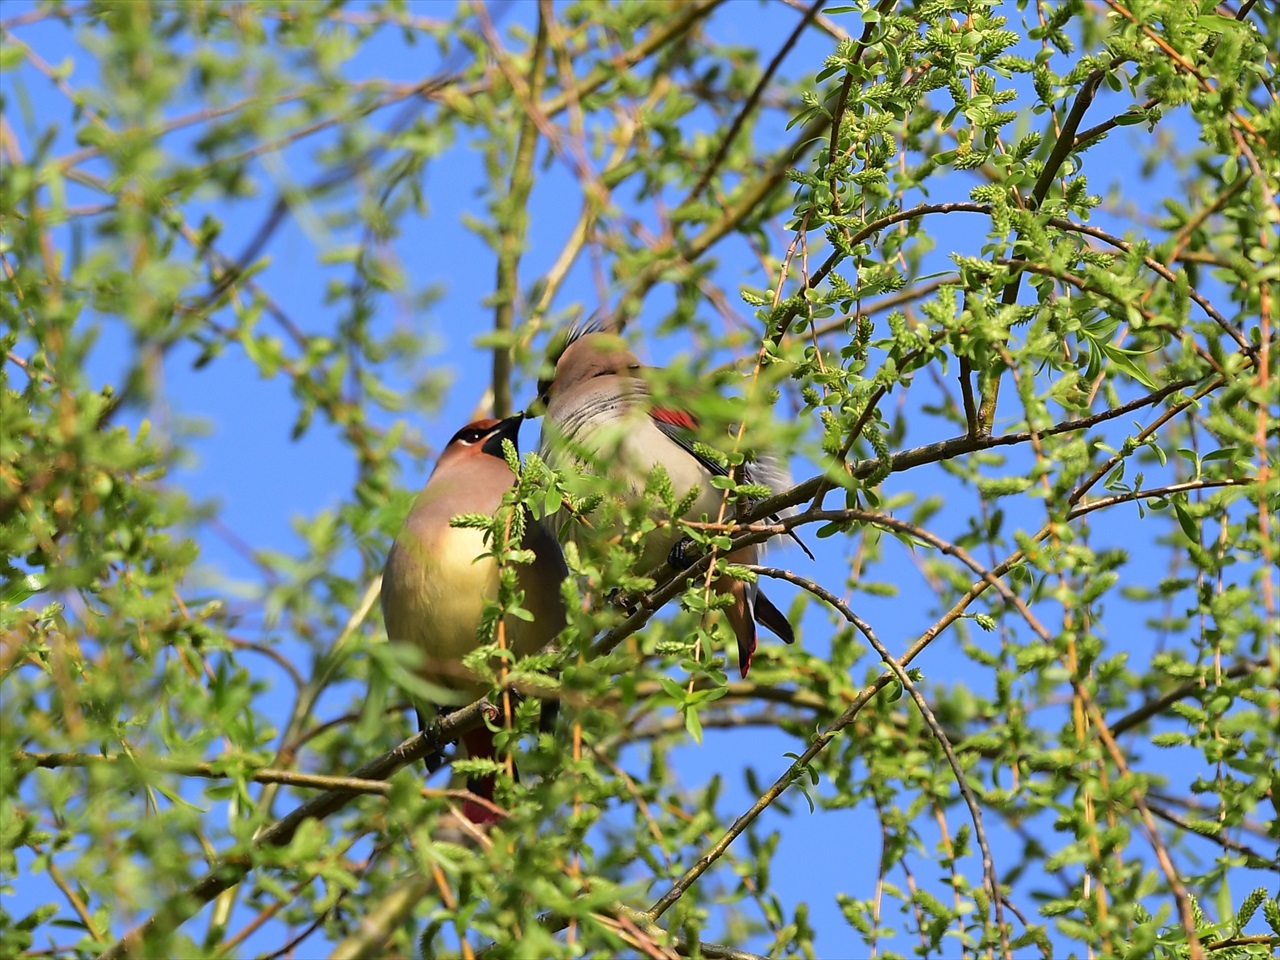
<point>682,554</point>
<point>628,602</point>
<point>430,727</point>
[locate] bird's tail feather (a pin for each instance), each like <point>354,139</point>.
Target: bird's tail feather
<point>479,745</point>
<point>769,616</point>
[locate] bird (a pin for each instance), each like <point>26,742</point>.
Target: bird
<point>599,417</point>
<point>439,578</point>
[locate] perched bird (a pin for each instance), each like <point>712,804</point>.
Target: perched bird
<point>599,419</point>
<point>438,578</point>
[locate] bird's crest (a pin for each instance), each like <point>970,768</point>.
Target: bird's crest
<point>597,322</point>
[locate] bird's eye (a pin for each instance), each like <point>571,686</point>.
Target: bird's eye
<point>471,436</point>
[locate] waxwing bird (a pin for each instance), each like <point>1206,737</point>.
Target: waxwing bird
<point>600,420</point>
<point>439,578</point>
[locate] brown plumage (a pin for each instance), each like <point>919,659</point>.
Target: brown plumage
<point>600,421</point>
<point>438,580</point>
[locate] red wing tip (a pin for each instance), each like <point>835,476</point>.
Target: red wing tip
<point>677,418</point>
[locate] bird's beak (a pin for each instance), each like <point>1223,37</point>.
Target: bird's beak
<point>508,429</point>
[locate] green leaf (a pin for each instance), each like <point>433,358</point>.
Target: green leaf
<point>1190,528</point>
<point>11,55</point>
<point>1271,911</point>
<point>693,724</point>
<point>22,588</point>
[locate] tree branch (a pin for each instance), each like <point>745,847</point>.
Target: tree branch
<point>512,232</point>
<point>749,106</point>
<point>233,867</point>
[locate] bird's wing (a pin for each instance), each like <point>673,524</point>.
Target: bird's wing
<point>679,427</point>
<point>769,472</point>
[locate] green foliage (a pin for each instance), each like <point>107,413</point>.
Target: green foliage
<point>976,340</point>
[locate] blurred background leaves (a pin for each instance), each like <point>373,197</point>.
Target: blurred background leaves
<point>997,279</point>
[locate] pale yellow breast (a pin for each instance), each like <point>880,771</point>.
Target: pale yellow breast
<point>441,590</point>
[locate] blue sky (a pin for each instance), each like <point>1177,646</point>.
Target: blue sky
<point>237,425</point>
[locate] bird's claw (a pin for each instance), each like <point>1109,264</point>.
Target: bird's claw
<point>430,727</point>
<point>620,598</point>
<point>681,555</point>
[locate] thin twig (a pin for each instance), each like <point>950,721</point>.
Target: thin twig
<point>513,230</point>
<point>931,721</point>
<point>749,105</point>
<point>234,866</point>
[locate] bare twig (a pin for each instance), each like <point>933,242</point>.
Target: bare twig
<point>749,105</point>
<point>931,721</point>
